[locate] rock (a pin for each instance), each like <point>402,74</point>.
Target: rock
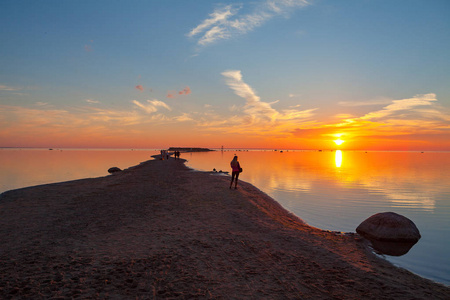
<point>389,226</point>
<point>114,170</point>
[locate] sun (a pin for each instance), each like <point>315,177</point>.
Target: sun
<point>338,141</point>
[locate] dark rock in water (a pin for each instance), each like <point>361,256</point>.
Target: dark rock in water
<point>114,170</point>
<point>389,226</point>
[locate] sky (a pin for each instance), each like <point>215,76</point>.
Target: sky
<point>275,74</point>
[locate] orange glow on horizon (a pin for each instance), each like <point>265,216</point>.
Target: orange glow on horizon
<point>143,136</point>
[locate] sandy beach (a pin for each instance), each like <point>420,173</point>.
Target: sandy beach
<point>162,231</point>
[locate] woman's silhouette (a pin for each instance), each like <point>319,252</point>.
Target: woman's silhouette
<point>236,169</point>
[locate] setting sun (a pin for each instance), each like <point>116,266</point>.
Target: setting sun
<point>338,141</point>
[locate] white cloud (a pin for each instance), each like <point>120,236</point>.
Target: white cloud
<point>158,103</point>
<point>90,101</point>
<point>184,117</point>
<point>262,113</point>
<point>420,114</point>
<point>220,15</point>
<point>151,106</point>
<point>225,22</point>
<point>402,105</point>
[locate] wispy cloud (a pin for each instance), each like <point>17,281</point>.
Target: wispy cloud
<point>293,95</point>
<point>17,122</point>
<point>219,16</point>
<point>414,117</point>
<point>90,101</point>
<point>260,115</point>
<point>405,105</point>
<point>184,117</point>
<point>185,91</point>
<point>225,21</point>
<point>151,106</point>
<point>9,88</point>
<point>365,103</point>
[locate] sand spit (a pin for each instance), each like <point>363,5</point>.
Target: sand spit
<point>161,231</point>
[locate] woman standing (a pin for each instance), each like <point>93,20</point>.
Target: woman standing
<point>236,169</point>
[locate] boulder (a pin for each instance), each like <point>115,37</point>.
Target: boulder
<point>389,226</point>
<point>114,170</point>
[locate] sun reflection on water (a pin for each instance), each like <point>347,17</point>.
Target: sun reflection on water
<point>338,158</point>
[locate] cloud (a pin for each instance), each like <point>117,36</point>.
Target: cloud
<point>185,91</point>
<point>45,120</point>
<point>254,108</point>
<point>9,88</point>
<point>259,114</point>
<point>405,105</point>
<point>139,87</point>
<point>365,103</point>
<point>225,22</point>
<point>411,117</point>
<point>92,101</point>
<point>219,16</point>
<point>151,106</point>
<point>184,117</point>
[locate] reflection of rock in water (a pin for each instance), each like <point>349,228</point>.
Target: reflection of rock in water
<point>391,248</point>
<point>390,233</point>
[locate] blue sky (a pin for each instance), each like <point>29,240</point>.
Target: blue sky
<point>254,73</point>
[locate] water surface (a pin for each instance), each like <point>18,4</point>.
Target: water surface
<point>28,167</point>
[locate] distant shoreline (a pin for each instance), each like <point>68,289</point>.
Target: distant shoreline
<point>188,149</point>
<point>219,149</point>
<point>160,230</point>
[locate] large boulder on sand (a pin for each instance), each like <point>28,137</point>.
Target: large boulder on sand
<point>114,170</point>
<point>389,226</point>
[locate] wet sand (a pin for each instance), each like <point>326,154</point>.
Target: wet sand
<point>162,231</point>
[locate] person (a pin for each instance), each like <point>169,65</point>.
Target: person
<point>235,168</point>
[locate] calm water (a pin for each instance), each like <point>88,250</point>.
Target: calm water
<point>329,190</point>
<point>28,167</point>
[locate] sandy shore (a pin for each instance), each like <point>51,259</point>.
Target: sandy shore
<point>161,231</point>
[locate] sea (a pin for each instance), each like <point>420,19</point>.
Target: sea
<point>331,190</point>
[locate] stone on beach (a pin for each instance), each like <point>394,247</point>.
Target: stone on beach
<point>114,170</point>
<point>389,226</point>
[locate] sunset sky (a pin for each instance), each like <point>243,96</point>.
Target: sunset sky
<point>283,74</point>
